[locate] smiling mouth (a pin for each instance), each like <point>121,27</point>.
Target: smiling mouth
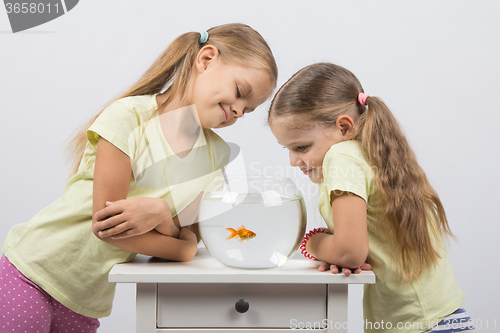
<point>224,114</point>
<point>306,171</point>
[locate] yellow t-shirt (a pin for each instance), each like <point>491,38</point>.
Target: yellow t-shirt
<point>57,250</point>
<point>389,304</point>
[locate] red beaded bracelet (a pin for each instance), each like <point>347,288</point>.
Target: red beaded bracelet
<point>306,238</point>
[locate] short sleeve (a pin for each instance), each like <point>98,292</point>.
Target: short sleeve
<point>119,124</point>
<point>345,173</point>
<point>220,151</point>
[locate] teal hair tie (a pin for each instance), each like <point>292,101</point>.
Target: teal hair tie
<point>203,37</point>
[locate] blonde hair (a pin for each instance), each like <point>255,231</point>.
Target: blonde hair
<point>235,42</point>
<point>411,210</point>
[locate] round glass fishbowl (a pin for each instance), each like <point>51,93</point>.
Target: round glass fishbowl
<point>252,222</point>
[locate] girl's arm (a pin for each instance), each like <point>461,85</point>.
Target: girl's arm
<point>112,173</point>
<point>348,246</point>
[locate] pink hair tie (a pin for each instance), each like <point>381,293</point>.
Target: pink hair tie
<point>362,98</point>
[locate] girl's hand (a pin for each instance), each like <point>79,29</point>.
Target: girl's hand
<point>346,271</point>
<point>134,216</point>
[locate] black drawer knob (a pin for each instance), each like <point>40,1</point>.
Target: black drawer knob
<point>242,306</point>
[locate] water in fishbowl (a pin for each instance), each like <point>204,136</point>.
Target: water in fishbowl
<point>252,230</point>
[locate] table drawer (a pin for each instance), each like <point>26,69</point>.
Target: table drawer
<point>192,305</point>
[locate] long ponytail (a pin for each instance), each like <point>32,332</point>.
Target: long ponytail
<point>177,58</point>
<point>411,209</point>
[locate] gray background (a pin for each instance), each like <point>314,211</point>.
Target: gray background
<point>435,63</point>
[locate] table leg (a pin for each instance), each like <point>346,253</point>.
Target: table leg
<point>146,308</point>
<point>337,308</point>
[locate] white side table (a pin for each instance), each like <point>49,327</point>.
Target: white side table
<point>203,295</point>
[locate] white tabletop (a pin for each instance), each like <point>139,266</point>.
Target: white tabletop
<point>203,268</point>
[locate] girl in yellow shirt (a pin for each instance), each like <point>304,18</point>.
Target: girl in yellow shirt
<point>375,199</point>
<point>54,270</point>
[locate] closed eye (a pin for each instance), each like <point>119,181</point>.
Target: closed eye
<point>301,148</point>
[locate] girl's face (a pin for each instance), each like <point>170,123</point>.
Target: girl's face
<point>307,147</point>
<point>223,92</point>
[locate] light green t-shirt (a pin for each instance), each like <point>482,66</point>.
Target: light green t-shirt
<point>389,305</point>
<point>57,250</point>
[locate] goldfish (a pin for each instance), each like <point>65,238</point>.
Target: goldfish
<point>241,234</point>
